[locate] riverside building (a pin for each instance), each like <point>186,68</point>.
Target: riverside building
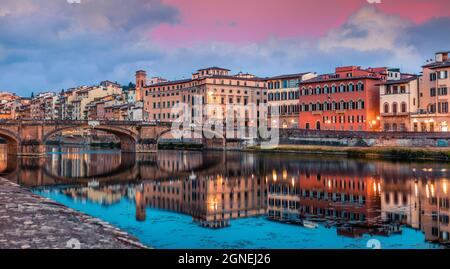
<point>210,86</point>
<point>399,101</point>
<point>347,100</point>
<point>283,92</point>
<point>433,114</point>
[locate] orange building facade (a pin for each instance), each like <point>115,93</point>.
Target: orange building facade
<point>434,113</point>
<point>211,86</point>
<point>347,100</point>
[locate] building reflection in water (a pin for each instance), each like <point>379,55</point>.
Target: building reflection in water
<point>354,197</point>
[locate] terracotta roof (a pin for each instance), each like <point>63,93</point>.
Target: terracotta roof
<point>214,67</point>
<point>213,76</point>
<point>298,75</point>
<point>323,79</point>
<point>436,65</point>
<point>171,82</point>
<point>400,81</point>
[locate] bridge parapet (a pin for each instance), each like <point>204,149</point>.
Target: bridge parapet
<point>28,138</point>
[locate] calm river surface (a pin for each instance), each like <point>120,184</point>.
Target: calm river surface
<point>177,199</point>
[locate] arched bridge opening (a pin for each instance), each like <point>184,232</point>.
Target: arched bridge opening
<point>127,138</point>
<point>11,141</point>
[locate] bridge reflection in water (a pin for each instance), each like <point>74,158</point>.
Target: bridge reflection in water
<point>356,198</point>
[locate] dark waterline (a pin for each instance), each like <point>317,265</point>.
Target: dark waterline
<point>179,199</point>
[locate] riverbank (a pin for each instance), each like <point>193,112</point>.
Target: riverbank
<point>396,153</point>
<point>28,221</point>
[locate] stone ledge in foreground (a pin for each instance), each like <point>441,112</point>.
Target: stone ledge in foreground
<point>28,221</point>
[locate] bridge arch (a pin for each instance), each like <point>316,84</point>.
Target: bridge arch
<point>125,170</point>
<point>12,140</point>
<point>128,139</point>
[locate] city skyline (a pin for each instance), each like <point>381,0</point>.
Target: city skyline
<point>83,43</point>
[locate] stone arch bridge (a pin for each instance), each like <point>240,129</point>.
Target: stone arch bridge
<point>28,138</point>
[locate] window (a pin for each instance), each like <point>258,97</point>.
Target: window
<point>442,91</point>
<point>361,104</point>
<point>394,108</point>
<point>443,74</point>
<point>403,108</point>
<point>432,108</point>
<point>433,77</point>
<point>317,90</point>
<point>443,107</point>
<point>386,108</point>
<point>388,90</point>
<point>350,87</point>
<point>433,92</point>
<point>360,86</point>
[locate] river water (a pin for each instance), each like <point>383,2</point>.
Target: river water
<point>181,199</point>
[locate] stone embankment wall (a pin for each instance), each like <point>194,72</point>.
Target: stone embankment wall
<point>363,139</point>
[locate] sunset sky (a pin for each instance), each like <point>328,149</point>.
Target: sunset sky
<point>56,44</point>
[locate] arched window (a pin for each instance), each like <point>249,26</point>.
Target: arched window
<point>325,89</point>
<point>333,106</point>
<point>386,108</point>
<point>342,88</point>
<point>333,88</point>
<point>318,90</point>
<point>360,86</point>
<point>404,108</point>
<point>350,104</point>
<point>361,104</point>
<point>351,87</point>
<point>310,91</point>
<point>394,108</point>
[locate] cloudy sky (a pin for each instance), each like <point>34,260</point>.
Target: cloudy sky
<point>56,44</point>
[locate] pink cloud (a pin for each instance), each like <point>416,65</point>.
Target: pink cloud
<point>256,20</point>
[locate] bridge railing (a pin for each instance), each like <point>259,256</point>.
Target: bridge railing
<point>284,133</point>
<point>81,122</point>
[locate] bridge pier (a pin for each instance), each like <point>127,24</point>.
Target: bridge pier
<point>143,146</point>
<point>147,146</point>
<point>28,148</point>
